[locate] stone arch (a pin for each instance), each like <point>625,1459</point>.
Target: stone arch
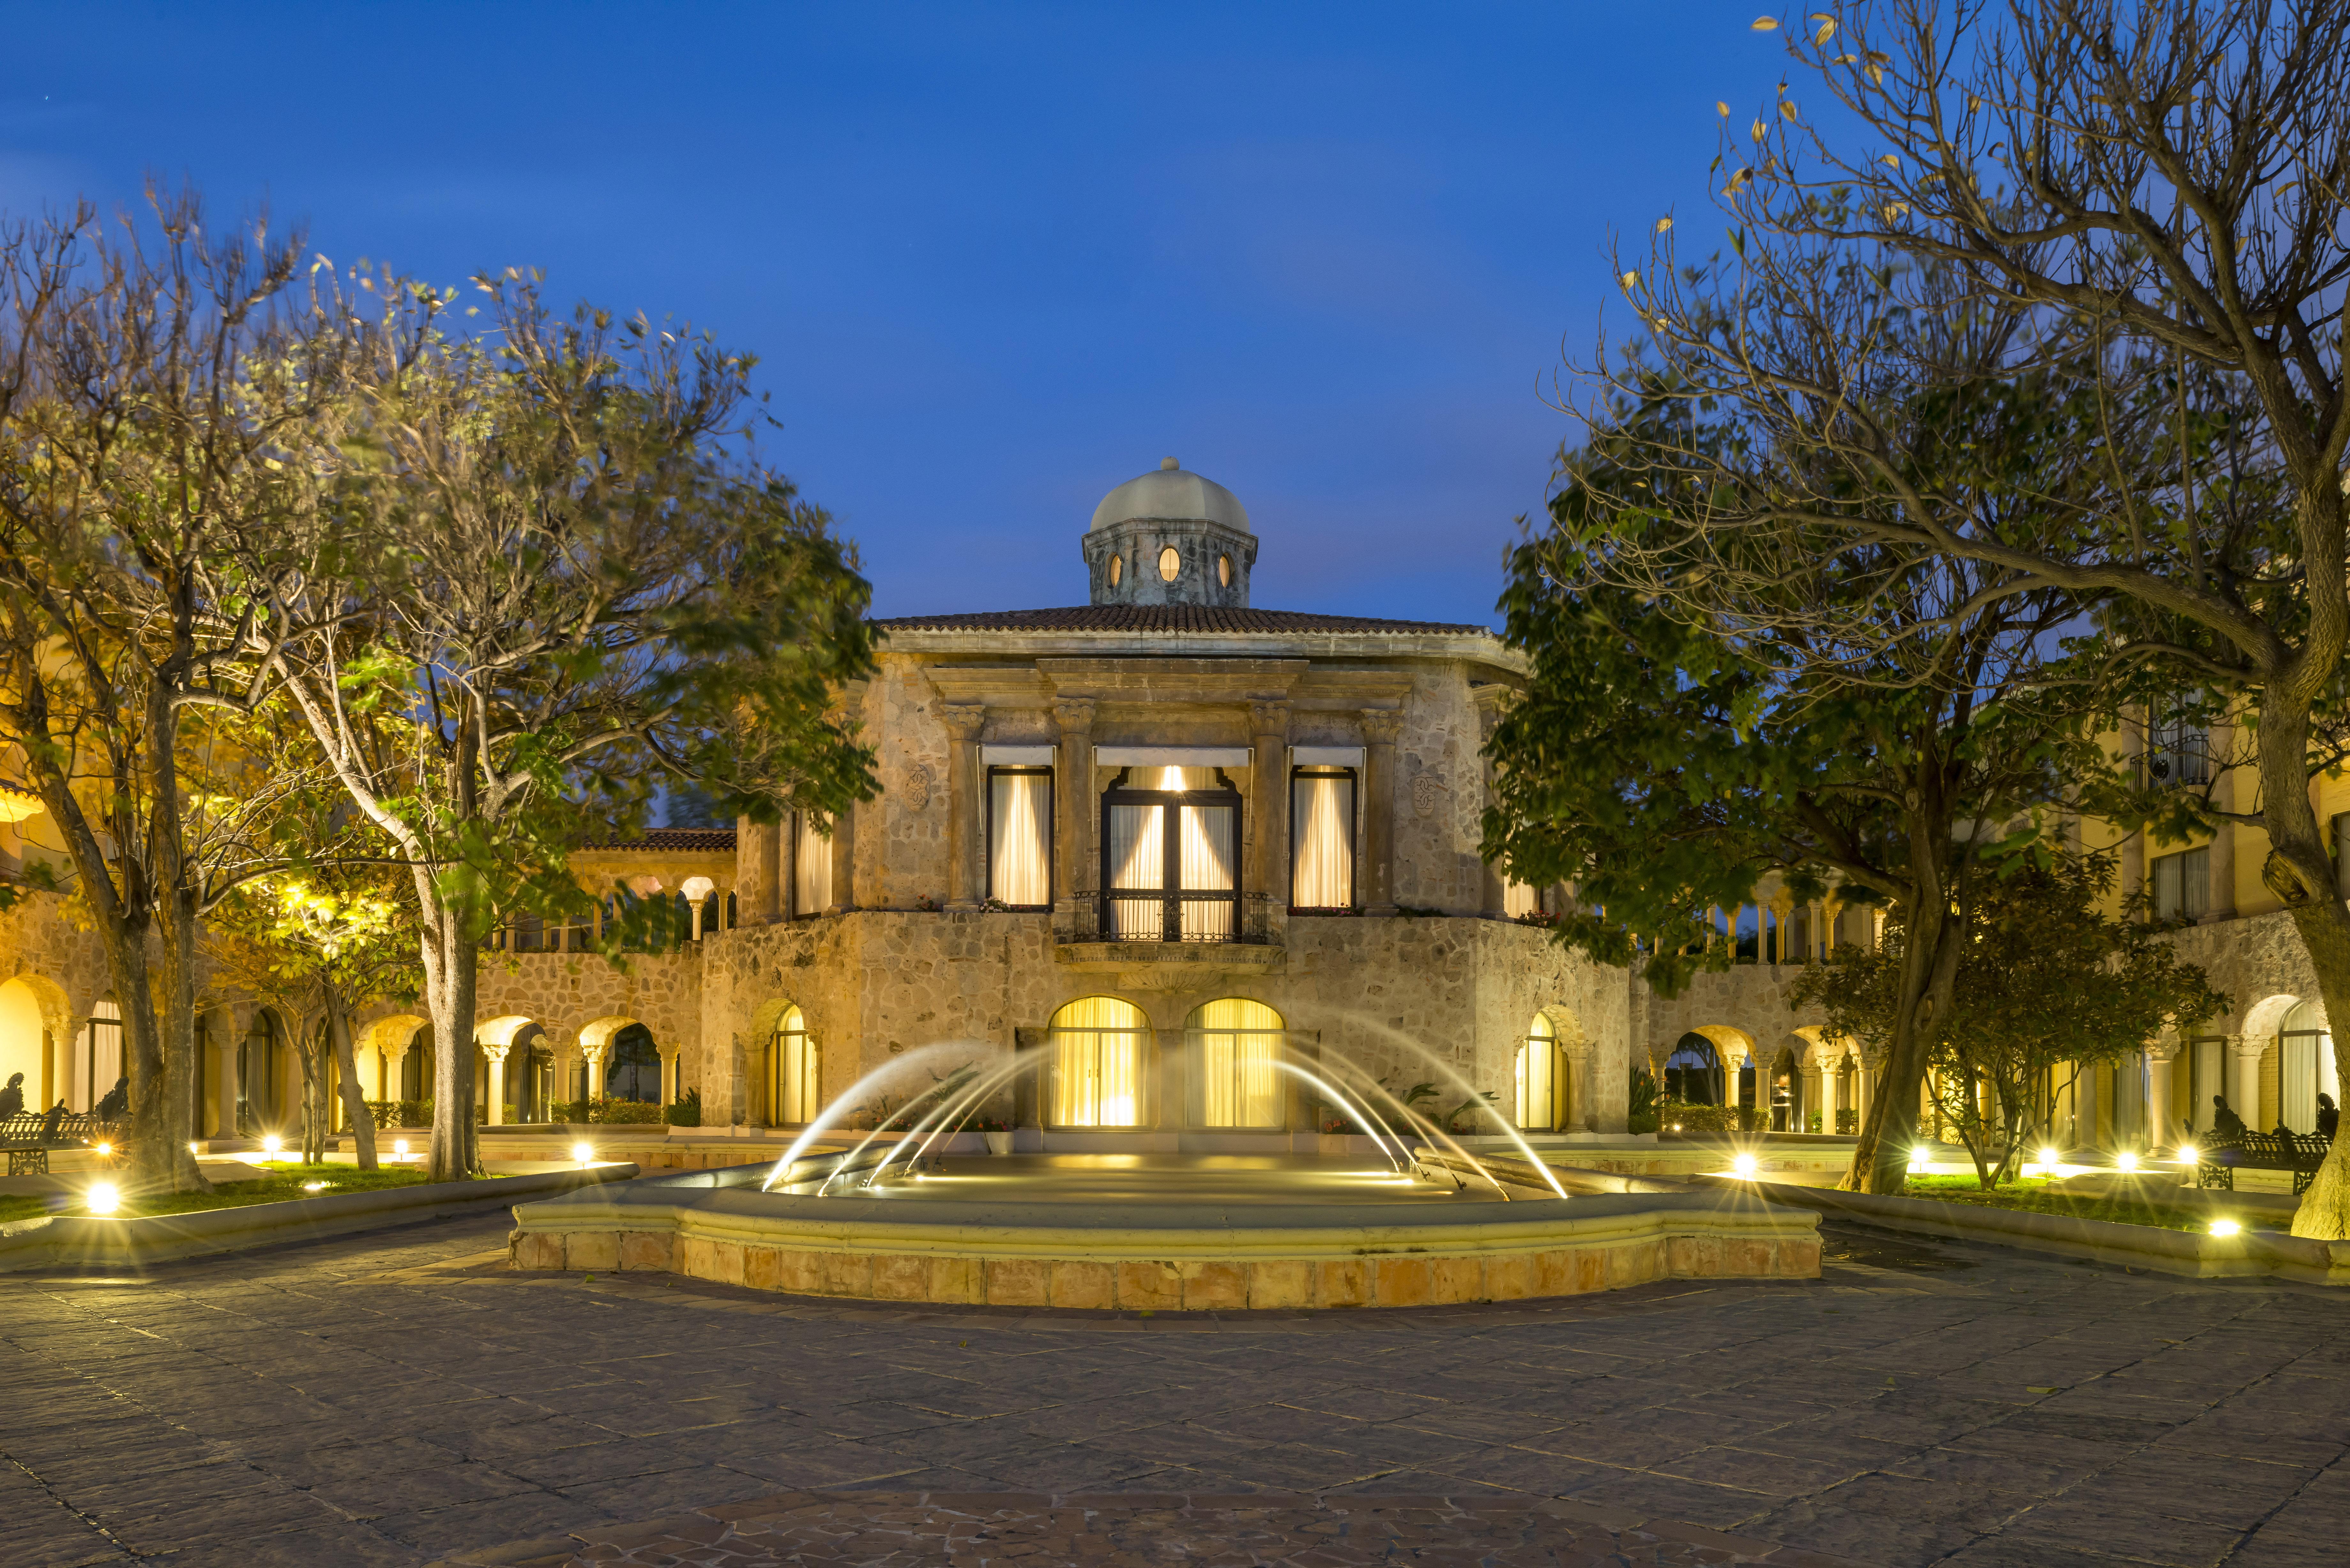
<point>2265,1016</point>
<point>29,1009</point>
<point>380,1051</point>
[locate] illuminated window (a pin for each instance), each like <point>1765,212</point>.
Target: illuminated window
<point>1097,1062</point>
<point>1171,847</point>
<point>2182,885</point>
<point>811,864</point>
<point>1520,897</point>
<point>1170,563</point>
<point>1117,569</point>
<point>1225,571</point>
<point>1020,836</point>
<point>1322,838</point>
<point>1236,1043</point>
<point>794,1073</point>
<point>1538,1075</point>
<point>2305,1068</point>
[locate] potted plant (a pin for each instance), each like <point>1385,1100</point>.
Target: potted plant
<point>997,1133</point>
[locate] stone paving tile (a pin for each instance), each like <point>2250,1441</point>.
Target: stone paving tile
<point>979,1530</point>
<point>391,1399</point>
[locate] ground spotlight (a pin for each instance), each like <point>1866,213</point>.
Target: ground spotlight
<point>583,1153</point>
<point>103,1199</point>
<point>271,1145</point>
<point>2125,1160</point>
<point>400,1148</point>
<point>105,1152</point>
<point>1744,1165</point>
<point>2225,1228</point>
<point>2187,1154</point>
<point>2048,1159</point>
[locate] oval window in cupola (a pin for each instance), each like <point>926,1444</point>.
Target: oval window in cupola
<point>1223,571</point>
<point>1169,565</point>
<point>1117,570</point>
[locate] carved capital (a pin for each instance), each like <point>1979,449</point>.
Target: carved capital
<point>1075,714</point>
<point>963,720</point>
<point>495,1054</point>
<point>1382,726</point>
<point>1268,717</point>
<point>596,1052</point>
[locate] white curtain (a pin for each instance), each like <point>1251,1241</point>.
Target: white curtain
<point>1207,851</point>
<point>1138,859</point>
<point>811,867</point>
<point>1520,898</point>
<point>2305,1070</point>
<point>1321,864</point>
<point>97,1058</point>
<point>1239,1042</point>
<point>1020,839</point>
<point>1097,1064</point>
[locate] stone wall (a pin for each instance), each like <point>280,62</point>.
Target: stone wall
<point>877,986</point>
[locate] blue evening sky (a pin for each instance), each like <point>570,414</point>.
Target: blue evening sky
<point>996,259</point>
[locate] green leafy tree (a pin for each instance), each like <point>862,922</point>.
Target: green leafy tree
<point>2165,185</point>
<point>2046,981</point>
<point>1733,680</point>
<point>543,571</point>
<point>145,407</point>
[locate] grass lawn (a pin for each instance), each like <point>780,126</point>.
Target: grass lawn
<point>285,1181</point>
<point>2032,1195</point>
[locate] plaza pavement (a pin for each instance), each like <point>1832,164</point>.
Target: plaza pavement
<point>404,1398</point>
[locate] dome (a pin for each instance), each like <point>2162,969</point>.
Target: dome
<point>1169,491</point>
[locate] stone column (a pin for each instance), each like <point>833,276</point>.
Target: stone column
<point>843,863</point>
<point>595,1056</point>
<point>1579,1113</point>
<point>1496,895</point>
<point>758,871</point>
<point>226,1086</point>
<point>2161,1125</point>
<point>495,1111</point>
<point>1864,1085</point>
<point>670,1087</point>
<point>963,721</point>
<point>2244,1083</point>
<point>1074,873</point>
<point>1268,872</point>
<point>1381,727</point>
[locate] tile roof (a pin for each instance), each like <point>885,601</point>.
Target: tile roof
<point>1152,620</point>
<point>701,840</point>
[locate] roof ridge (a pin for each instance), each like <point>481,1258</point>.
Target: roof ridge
<point>1167,618</point>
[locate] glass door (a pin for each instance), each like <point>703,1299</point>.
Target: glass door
<point>1170,857</point>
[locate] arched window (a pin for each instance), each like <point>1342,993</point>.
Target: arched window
<point>1538,1075</point>
<point>1235,1043</point>
<point>416,1065</point>
<point>1171,565</point>
<point>794,1073</point>
<point>1097,1064</point>
<point>636,1070</point>
<point>2305,1068</point>
<point>260,1062</point>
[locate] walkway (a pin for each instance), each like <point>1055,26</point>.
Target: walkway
<point>403,1398</point>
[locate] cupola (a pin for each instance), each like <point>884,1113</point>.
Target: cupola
<point>1170,538</point>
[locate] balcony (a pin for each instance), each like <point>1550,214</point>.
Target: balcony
<point>1235,935</point>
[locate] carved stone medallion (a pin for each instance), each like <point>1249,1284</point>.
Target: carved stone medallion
<point>1423,794</point>
<point>915,786</point>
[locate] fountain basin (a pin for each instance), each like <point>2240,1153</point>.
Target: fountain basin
<point>1106,1238</point>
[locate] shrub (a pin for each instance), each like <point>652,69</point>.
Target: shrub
<point>605,1111</point>
<point>400,1113</point>
<point>1642,1117</point>
<point>1848,1120</point>
<point>686,1112</point>
<point>1700,1118</point>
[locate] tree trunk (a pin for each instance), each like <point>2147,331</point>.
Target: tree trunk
<point>1930,969</point>
<point>2301,873</point>
<point>451,967</point>
<point>347,1076</point>
<point>175,1153</point>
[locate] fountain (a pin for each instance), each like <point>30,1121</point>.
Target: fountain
<point>1405,1216</point>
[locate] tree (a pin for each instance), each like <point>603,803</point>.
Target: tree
<point>144,404</point>
<point>2168,184</point>
<point>1727,685</point>
<point>542,570</point>
<point>2045,978</point>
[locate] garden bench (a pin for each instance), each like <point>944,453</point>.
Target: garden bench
<point>2216,1161</point>
<point>28,1136</point>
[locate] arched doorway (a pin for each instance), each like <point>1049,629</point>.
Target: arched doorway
<point>795,1072</point>
<point>1096,1064</point>
<point>1694,1073</point>
<point>260,1076</point>
<point>23,1044</point>
<point>635,1072</point>
<point>97,1056</point>
<point>1540,1081</point>
<point>1236,1043</point>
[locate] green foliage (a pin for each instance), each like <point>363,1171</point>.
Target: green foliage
<point>2045,978</point>
<point>605,1111</point>
<point>400,1113</point>
<point>685,1111</point>
<point>1642,1115</point>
